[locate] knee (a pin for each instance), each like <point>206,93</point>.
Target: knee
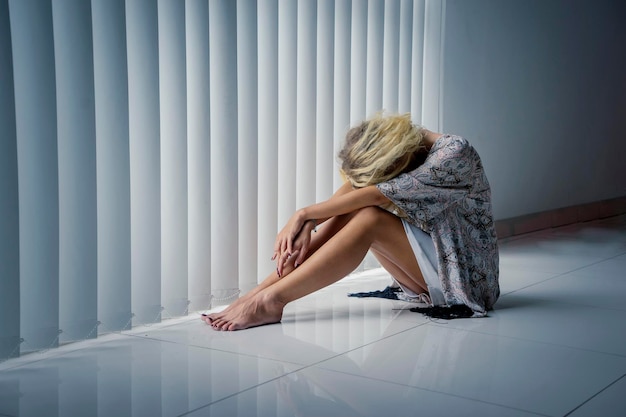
<point>369,216</point>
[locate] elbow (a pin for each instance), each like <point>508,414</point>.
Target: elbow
<point>378,198</point>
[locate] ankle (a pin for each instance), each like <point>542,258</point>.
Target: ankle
<point>269,297</point>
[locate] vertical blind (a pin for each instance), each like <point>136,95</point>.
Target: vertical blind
<point>150,150</point>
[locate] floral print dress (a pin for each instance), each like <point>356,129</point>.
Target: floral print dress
<point>449,197</point>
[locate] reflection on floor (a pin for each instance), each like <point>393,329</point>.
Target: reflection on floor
<point>554,346</point>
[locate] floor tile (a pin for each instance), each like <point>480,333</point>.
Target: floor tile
<point>530,376</point>
<point>582,239</point>
<point>611,402</point>
<point>533,254</point>
<point>310,331</point>
<point>526,315</point>
<point>512,279</point>
<point>614,267</point>
<point>584,287</point>
<point>131,377</point>
<point>555,345</point>
<point>537,262</point>
<point>319,392</point>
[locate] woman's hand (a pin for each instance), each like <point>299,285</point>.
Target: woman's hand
<point>302,242</point>
<point>345,200</point>
<point>292,240</point>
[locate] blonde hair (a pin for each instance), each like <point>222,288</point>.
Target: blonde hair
<point>380,148</point>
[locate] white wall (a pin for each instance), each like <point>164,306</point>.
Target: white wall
<point>539,87</point>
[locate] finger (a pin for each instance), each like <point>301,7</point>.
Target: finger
<point>290,246</point>
<point>281,262</point>
<point>295,256</point>
<point>279,272</point>
<point>289,257</point>
<point>301,255</point>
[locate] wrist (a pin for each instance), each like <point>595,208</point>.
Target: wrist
<point>300,216</point>
<point>308,222</point>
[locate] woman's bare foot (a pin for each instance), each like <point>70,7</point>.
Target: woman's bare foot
<point>256,310</point>
<point>209,318</point>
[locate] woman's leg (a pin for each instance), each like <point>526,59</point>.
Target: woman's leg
<point>399,274</point>
<point>328,230</point>
<point>342,253</point>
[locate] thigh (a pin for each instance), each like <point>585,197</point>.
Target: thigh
<point>327,230</point>
<point>393,250</point>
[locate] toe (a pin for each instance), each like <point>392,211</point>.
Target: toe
<point>217,324</point>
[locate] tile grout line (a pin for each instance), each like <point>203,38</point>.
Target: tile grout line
<point>249,355</point>
<point>315,365</point>
<point>240,392</point>
<point>414,325</point>
<point>303,367</point>
<point>424,389</point>
<point>595,395</point>
<point>431,321</point>
<point>419,325</point>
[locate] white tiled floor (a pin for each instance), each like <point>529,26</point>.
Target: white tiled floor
<point>554,346</point>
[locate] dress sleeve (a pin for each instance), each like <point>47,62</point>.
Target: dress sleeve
<point>442,180</point>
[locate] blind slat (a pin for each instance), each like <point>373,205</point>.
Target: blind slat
<point>405,44</point>
<point>325,153</point>
<point>417,62</point>
<point>112,164</point>
<point>145,166</point>
<point>36,127</point>
<point>268,133</point>
<point>78,285</point>
<point>432,58</point>
<point>391,56</point>
<point>375,55</point>
<point>9,199</point>
<point>305,138</point>
<point>287,111</point>
<point>224,191</point>
<point>358,61</point>
<point>198,153</point>
<point>342,77</point>
<point>173,117</point>
<point>248,145</point>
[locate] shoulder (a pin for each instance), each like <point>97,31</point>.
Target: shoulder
<point>451,143</point>
<point>452,147</point>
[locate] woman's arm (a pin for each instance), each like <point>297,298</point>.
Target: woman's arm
<point>346,200</point>
<point>344,189</point>
<point>342,204</point>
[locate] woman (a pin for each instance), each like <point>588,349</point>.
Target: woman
<point>419,200</point>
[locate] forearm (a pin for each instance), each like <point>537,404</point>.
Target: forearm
<point>344,201</point>
<point>344,189</point>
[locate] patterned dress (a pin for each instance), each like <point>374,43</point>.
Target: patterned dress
<point>449,197</point>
